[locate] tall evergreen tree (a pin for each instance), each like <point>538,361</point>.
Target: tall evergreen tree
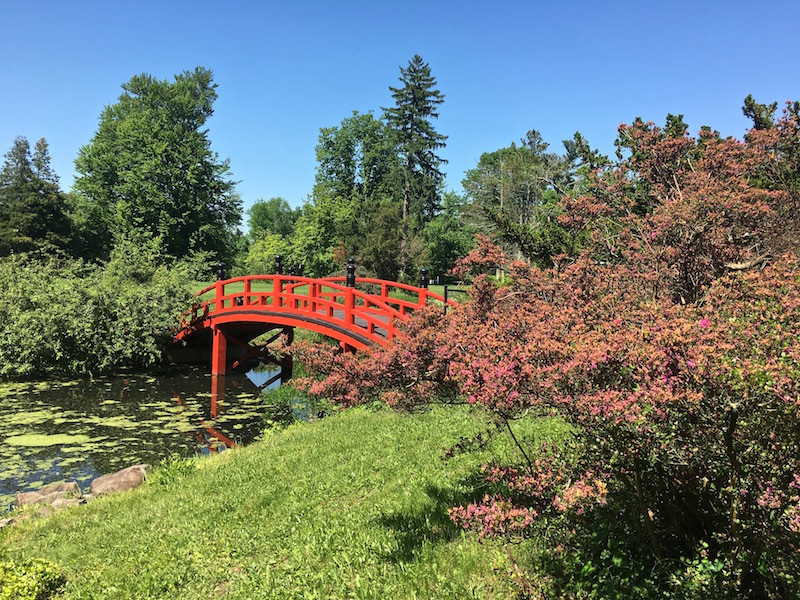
<point>32,207</point>
<point>762,115</point>
<point>416,103</point>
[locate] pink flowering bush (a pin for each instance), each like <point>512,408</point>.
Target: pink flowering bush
<point>671,344</point>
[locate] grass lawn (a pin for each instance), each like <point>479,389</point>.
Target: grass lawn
<point>350,506</point>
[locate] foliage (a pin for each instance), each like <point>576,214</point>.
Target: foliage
<point>273,216</point>
<point>197,266</point>
<point>287,405</point>
<point>66,316</point>
<point>29,579</point>
<point>352,211</point>
<point>448,237</point>
<point>260,257</point>
<point>514,192</point>
<point>357,160</point>
<point>32,207</point>
<point>671,344</point>
<point>150,171</point>
<point>762,115</point>
<point>316,234</point>
<point>416,103</point>
<point>171,469</point>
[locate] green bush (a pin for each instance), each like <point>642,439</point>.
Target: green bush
<point>286,405</point>
<point>68,317</point>
<point>32,579</point>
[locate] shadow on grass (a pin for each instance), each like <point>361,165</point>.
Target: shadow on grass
<point>431,523</point>
<point>604,556</point>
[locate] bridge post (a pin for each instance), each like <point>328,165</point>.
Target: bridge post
<point>423,278</point>
<point>277,292</point>
<point>219,352</point>
<point>219,287</point>
<point>349,304</point>
<point>350,279</point>
<point>313,292</point>
<point>423,284</point>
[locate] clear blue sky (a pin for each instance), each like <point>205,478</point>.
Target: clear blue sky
<point>286,69</point>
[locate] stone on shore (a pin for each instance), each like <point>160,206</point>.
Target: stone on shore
<point>56,496</point>
<point>49,494</point>
<point>121,481</point>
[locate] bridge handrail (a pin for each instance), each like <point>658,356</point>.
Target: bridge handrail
<point>392,284</point>
<point>327,294</point>
<point>423,294</point>
<point>322,300</point>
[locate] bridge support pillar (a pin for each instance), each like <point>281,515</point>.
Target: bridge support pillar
<point>219,353</point>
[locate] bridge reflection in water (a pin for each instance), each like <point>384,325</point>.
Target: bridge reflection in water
<point>208,436</point>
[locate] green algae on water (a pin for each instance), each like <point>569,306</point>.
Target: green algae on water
<point>40,440</point>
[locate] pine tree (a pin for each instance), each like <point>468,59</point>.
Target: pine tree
<point>32,207</point>
<point>416,103</point>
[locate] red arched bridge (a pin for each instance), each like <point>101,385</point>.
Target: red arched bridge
<point>358,313</point>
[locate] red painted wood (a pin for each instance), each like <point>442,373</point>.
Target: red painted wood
<point>354,317</point>
<point>219,352</point>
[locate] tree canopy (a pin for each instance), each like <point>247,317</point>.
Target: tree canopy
<point>271,216</point>
<point>149,170</point>
<point>33,211</point>
<point>416,105</point>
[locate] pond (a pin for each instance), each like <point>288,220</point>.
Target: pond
<point>78,430</point>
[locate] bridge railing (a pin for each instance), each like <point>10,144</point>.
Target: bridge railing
<point>405,298</point>
<point>328,299</point>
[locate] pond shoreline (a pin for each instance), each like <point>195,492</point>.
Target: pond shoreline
<point>78,429</point>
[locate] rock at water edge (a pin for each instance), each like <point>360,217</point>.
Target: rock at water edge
<point>121,481</point>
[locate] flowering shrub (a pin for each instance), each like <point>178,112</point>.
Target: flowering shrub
<point>671,344</point>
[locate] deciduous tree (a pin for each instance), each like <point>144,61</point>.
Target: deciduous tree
<point>150,171</point>
<point>271,216</point>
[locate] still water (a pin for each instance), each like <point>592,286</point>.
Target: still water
<point>77,430</point>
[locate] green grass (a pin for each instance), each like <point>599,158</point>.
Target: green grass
<point>351,506</point>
